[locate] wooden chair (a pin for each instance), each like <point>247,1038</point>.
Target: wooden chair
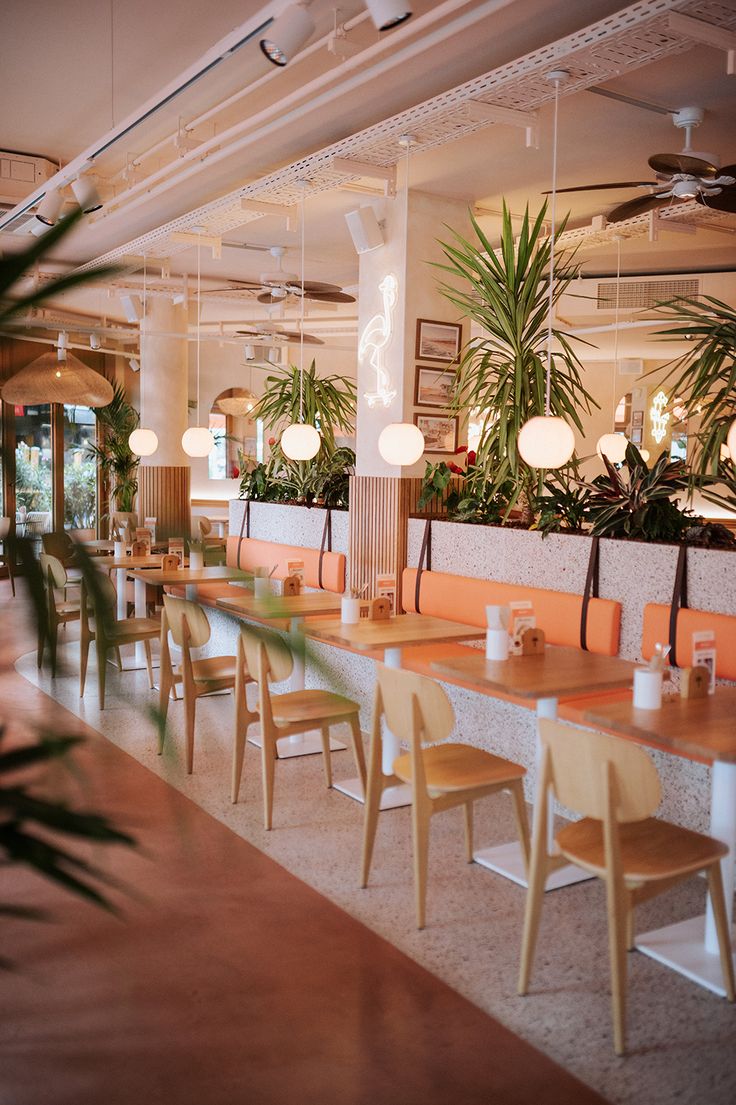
<point>6,556</point>
<point>416,709</point>
<point>108,632</point>
<point>60,611</point>
<point>189,628</point>
<point>268,658</point>
<point>615,786</point>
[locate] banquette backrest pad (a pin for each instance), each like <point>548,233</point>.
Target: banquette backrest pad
<point>249,553</point>
<point>464,599</point>
<point>657,629</point>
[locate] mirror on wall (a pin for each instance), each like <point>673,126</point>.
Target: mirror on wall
<point>653,420</point>
<point>234,431</point>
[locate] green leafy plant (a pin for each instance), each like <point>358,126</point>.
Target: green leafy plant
<point>564,505</point>
<point>331,479</point>
<point>80,494</point>
<point>329,403</point>
<point>114,455</point>
<point>502,372</point>
<point>638,501</point>
<point>472,494</point>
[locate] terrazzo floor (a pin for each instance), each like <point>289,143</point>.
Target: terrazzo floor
<point>681,1038</point>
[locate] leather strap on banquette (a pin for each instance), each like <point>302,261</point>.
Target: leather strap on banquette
<point>326,544</point>
<point>679,600</point>
<point>591,589</point>
<point>425,557</point>
<point>244,525</point>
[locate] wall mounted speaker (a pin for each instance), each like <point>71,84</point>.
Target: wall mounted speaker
<point>365,229</point>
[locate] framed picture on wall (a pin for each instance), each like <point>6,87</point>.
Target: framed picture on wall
<point>636,435</point>
<point>433,386</point>
<point>440,432</point>
<point>637,418</point>
<point>438,341</point>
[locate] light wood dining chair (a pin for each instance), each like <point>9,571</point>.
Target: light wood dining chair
<point>99,597</point>
<point>614,785</point>
<point>441,776</point>
<point>190,629</point>
<point>59,608</point>
<point>268,658</point>
<point>6,555</point>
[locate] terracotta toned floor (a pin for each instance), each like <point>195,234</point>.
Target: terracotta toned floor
<point>226,979</point>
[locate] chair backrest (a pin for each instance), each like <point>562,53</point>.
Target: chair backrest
<point>578,758</point>
<point>58,543</point>
<point>4,527</point>
<point>277,658</point>
<point>205,526</point>
<point>199,627</point>
<point>53,570</point>
<point>38,522</point>
<point>399,689</point>
<point>104,595</point>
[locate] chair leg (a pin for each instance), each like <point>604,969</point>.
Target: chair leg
<point>326,755</point>
<point>268,763</point>
<point>373,793</point>
<point>533,907</point>
<point>522,821</point>
<point>119,658</point>
<point>469,831</point>
<point>41,642</point>
<point>11,574</point>
<point>241,736</point>
<point>190,707</point>
<point>617,918</point>
<point>149,663</point>
<point>83,661</point>
<point>630,938</point>
<point>101,673</point>
<point>718,901</point>
<point>358,752</point>
<point>420,832</point>
<point>53,642</point>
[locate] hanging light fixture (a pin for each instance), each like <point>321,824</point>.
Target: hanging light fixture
<point>613,445</point>
<point>143,442</point>
<point>547,441</point>
<point>731,440</point>
<point>58,377</point>
<point>402,443</point>
<point>388,13</point>
<point>301,441</point>
<point>198,441</point>
<point>86,194</point>
<point>50,206</point>
<point>287,34</point>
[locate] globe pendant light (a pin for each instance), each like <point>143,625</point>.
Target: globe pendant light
<point>547,441</point>
<point>731,441</point>
<point>300,440</point>
<point>613,445</point>
<point>197,441</point>
<point>402,443</point>
<point>143,442</point>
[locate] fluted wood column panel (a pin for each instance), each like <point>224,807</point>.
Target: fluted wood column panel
<point>379,510</point>
<point>164,494</point>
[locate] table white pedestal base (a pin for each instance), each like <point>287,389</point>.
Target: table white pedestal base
<point>391,799</point>
<point>131,660</point>
<point>507,860</point>
<point>682,948</point>
<point>305,744</point>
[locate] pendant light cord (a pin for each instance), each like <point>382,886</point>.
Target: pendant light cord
<point>552,242</point>
<point>615,325</point>
<point>301,319</point>
<point>199,308</point>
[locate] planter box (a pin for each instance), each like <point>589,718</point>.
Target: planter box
<point>290,525</point>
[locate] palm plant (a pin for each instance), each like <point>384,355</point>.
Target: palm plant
<point>114,456</point>
<point>502,372</point>
<point>327,402</point>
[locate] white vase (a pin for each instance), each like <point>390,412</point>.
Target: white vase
<point>647,689</point>
<point>497,644</point>
<point>196,560</point>
<point>350,611</point>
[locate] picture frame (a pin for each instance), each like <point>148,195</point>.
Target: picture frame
<point>636,435</point>
<point>432,386</point>
<point>637,418</point>
<point>440,432</point>
<point>438,341</point>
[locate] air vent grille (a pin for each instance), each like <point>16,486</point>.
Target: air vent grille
<point>634,295</point>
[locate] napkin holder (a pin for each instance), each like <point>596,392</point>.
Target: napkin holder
<point>291,586</point>
<point>379,609</point>
<point>140,548</point>
<point>532,641</point>
<point>170,562</point>
<point>695,682</point>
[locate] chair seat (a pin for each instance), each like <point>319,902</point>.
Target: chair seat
<point>67,610</point>
<point>650,849</point>
<point>213,668</point>
<point>295,706</point>
<point>453,766</point>
<point>134,627</point>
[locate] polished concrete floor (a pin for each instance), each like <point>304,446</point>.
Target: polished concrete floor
<point>681,1038</point>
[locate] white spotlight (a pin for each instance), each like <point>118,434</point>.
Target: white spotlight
<point>86,194</point>
<point>48,209</point>
<point>94,341</point>
<point>388,13</point>
<point>287,34</point>
<point>249,353</point>
<point>132,307</point>
<point>134,364</point>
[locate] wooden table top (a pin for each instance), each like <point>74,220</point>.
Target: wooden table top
<point>282,606</point>
<point>702,727</point>
<point>150,563</point>
<point>557,671</point>
<point>401,631</point>
<point>109,546</point>
<point>210,574</point>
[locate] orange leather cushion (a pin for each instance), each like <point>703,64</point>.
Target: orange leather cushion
<point>657,628</point>
<point>462,599</point>
<point>259,554</point>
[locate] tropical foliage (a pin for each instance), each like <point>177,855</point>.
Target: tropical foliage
<point>637,501</point>
<point>114,456</point>
<point>327,402</point>
<point>323,481</point>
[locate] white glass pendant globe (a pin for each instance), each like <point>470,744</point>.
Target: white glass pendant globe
<point>546,441</point>
<point>300,441</point>
<point>731,440</point>
<point>644,454</point>
<point>197,441</point>
<point>142,442</point>
<point>612,446</point>
<point>401,443</point>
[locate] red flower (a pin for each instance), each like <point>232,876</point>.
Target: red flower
<point>236,471</point>
<point>471,457</point>
<point>461,449</point>
<point>272,441</point>
<point>455,469</point>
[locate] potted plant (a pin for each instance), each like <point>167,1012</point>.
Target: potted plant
<point>114,455</point>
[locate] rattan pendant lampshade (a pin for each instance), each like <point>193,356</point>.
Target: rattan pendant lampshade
<point>49,380</point>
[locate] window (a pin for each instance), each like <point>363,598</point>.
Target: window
<point>80,470</point>
<point>217,460</point>
<point>33,470</point>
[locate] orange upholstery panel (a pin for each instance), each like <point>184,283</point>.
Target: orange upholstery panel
<point>462,599</point>
<point>259,554</point>
<point>657,628</point>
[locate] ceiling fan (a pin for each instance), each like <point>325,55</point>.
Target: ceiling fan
<point>266,335</point>
<point>680,177</point>
<point>275,287</point>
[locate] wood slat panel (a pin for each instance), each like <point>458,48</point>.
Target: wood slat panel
<point>163,493</point>
<point>379,510</point>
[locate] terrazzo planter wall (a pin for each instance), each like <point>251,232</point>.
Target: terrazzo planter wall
<point>290,525</point>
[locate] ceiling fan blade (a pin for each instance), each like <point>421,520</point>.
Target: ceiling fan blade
<point>681,163</point>
<point>294,337</point>
<point>329,297</point>
<point>597,187</point>
<point>726,201</point>
<point>316,286</point>
<point>638,206</point>
<point>270,298</point>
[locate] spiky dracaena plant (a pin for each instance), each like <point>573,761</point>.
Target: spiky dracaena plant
<point>502,373</point>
